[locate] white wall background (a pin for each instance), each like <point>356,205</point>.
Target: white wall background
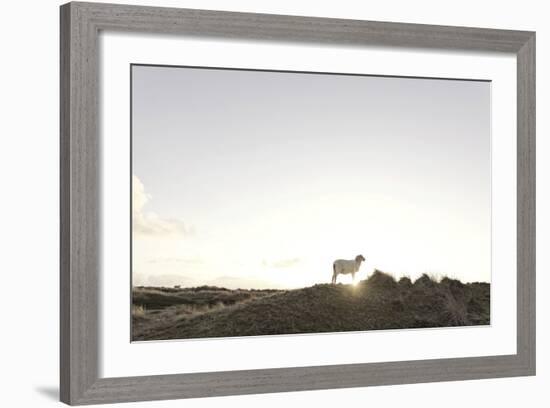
<point>29,202</point>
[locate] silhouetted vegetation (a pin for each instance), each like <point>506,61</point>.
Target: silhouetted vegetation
<point>377,303</point>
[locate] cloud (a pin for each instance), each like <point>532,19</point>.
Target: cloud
<point>149,223</point>
<point>281,263</point>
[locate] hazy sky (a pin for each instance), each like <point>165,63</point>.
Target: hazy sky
<point>262,179</point>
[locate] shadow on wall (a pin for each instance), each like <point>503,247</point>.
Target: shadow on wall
<point>52,393</point>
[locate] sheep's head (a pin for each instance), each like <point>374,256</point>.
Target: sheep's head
<point>359,258</point>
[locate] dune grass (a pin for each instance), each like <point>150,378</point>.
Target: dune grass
<point>377,303</point>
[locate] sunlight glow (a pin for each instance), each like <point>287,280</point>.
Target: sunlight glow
<point>252,202</point>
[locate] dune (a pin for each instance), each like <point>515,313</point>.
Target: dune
<point>377,303</point>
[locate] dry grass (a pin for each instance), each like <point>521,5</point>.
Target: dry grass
<point>380,302</point>
<point>156,308</point>
<point>138,311</point>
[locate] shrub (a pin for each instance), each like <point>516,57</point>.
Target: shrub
<point>405,282</point>
<point>424,282</point>
<point>381,280</point>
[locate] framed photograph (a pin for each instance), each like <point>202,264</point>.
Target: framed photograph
<point>324,189</point>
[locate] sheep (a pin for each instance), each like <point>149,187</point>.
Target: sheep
<point>345,267</point>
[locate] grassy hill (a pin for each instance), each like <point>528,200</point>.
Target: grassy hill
<point>380,302</point>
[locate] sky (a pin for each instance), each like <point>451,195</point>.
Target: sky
<point>259,179</point>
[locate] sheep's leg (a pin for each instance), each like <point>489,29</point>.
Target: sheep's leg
<point>353,277</point>
<point>334,276</point>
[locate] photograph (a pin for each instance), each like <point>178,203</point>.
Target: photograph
<point>269,202</point>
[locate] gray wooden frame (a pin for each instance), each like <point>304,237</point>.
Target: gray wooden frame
<point>80,189</point>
